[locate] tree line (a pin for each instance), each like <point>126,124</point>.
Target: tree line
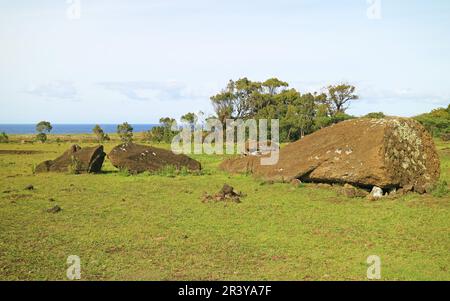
<point>298,113</point>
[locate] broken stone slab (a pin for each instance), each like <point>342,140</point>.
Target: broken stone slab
<point>387,153</point>
<point>75,159</point>
<point>137,158</point>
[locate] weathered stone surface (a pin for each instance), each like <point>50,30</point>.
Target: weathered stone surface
<point>139,158</point>
<point>76,159</point>
<point>388,153</point>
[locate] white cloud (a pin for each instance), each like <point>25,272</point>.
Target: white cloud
<point>153,91</point>
<point>54,90</point>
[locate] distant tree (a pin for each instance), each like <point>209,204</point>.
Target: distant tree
<point>189,118</point>
<point>100,134</point>
<point>4,138</point>
<point>163,132</point>
<point>339,96</point>
<point>236,100</point>
<point>322,119</point>
<point>377,115</point>
<point>43,128</point>
<point>272,84</point>
<point>125,132</point>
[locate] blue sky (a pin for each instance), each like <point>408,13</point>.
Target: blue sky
<point>137,61</point>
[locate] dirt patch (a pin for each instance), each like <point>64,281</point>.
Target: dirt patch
<point>20,152</point>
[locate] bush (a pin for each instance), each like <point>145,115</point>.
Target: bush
<point>4,138</point>
<point>41,137</point>
<point>440,189</point>
<point>160,134</point>
<point>100,134</point>
<point>338,117</point>
<point>377,115</point>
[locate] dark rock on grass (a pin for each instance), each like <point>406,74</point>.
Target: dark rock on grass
<point>29,187</point>
<point>136,158</point>
<point>75,160</point>
<point>225,194</point>
<point>55,209</point>
<point>51,200</point>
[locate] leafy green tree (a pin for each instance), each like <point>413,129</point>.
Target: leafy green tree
<point>339,97</point>
<point>43,128</point>
<point>273,84</point>
<point>100,134</point>
<point>4,138</point>
<point>299,114</point>
<point>125,132</point>
<point>163,132</point>
<point>189,118</point>
<point>236,100</point>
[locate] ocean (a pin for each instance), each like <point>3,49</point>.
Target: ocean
<point>69,128</point>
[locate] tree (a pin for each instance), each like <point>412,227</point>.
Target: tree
<point>339,96</point>
<point>236,100</point>
<point>125,132</point>
<point>43,128</point>
<point>4,138</point>
<point>189,118</point>
<point>100,134</point>
<point>163,132</point>
<point>272,84</point>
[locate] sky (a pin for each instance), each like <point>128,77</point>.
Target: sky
<point>110,61</point>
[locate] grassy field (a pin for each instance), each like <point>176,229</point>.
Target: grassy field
<point>155,227</point>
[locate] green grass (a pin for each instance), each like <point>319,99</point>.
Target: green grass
<point>155,227</point>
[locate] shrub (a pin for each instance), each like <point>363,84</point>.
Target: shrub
<point>377,115</point>
<point>440,189</point>
<point>100,134</point>
<point>41,137</point>
<point>160,134</point>
<point>4,138</point>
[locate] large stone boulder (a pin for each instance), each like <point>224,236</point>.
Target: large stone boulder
<point>139,158</point>
<point>77,160</point>
<point>388,153</point>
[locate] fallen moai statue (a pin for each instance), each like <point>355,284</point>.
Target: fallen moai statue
<point>76,160</point>
<point>388,153</point>
<point>140,158</point>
